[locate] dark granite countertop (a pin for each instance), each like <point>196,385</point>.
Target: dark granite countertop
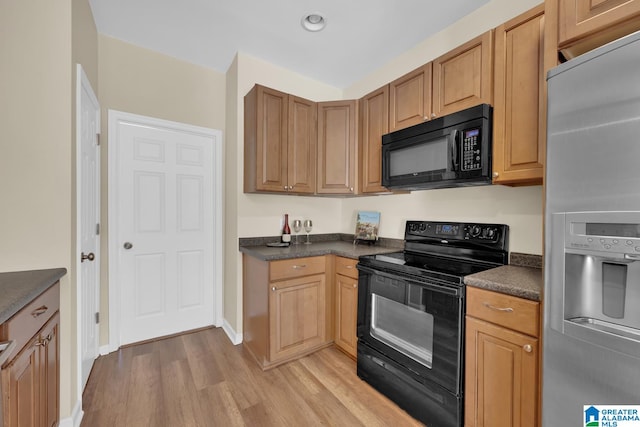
<point>19,288</point>
<point>337,247</point>
<point>523,282</point>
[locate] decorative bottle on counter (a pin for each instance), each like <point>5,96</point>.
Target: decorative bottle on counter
<point>286,231</point>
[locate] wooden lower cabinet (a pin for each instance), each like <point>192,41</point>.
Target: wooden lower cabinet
<point>501,362</point>
<point>296,316</point>
<point>285,310</point>
<point>30,380</point>
<point>346,288</point>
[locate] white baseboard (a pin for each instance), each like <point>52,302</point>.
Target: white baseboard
<point>235,337</point>
<point>75,418</point>
<point>104,350</point>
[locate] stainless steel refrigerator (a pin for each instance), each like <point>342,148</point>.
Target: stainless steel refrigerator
<point>591,341</point>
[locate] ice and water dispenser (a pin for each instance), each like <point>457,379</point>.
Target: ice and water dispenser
<point>598,262</point>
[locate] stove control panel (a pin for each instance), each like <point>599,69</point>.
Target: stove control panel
<point>474,232</point>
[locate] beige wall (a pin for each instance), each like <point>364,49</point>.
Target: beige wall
<point>36,163</point>
<point>521,208</point>
<point>140,81</point>
<point>260,215</point>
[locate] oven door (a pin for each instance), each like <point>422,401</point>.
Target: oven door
<point>415,323</point>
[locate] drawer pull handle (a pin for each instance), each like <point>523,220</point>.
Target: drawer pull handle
<point>298,267</point>
<point>505,309</point>
<point>348,266</point>
<point>39,311</point>
<point>527,348</point>
<point>40,343</point>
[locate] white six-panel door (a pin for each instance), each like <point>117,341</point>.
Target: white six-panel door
<point>88,123</point>
<point>165,227</point>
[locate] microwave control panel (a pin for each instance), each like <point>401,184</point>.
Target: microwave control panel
<point>471,158</point>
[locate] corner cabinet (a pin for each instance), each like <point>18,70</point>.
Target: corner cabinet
<point>31,377</point>
<point>502,360</point>
<point>279,142</point>
<point>337,147</point>
<point>285,310</point>
<point>463,77</point>
<point>346,288</point>
<point>586,24</point>
<point>519,132</point>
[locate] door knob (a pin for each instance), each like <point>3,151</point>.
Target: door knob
<point>127,245</point>
<point>90,256</point>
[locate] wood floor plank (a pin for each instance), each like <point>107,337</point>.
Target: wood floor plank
<point>200,379</point>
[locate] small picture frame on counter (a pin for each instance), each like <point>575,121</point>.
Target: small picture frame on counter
<point>367,226</point>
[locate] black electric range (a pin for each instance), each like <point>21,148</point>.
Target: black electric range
<point>411,307</point>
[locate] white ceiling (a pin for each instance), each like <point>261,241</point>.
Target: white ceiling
<point>360,35</point>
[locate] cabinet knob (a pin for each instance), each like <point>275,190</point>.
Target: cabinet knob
<point>496,174</point>
<point>273,289</point>
<point>433,115</point>
<point>286,188</point>
<point>527,348</point>
<point>355,286</point>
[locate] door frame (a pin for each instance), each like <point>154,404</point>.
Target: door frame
<point>115,119</point>
<point>83,84</point>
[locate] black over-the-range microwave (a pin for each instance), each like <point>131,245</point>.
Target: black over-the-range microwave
<point>449,151</point>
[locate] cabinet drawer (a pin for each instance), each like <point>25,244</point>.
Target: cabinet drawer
<point>505,310</point>
<point>347,267</point>
<point>26,323</point>
<point>297,267</point>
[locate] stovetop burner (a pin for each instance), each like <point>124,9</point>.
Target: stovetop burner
<point>445,251</point>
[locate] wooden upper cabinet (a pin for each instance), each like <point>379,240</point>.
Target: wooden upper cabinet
<point>265,140</point>
<point>586,24</point>
<point>410,98</point>
<point>302,143</point>
<point>279,142</point>
<point>374,122</point>
<point>337,140</point>
<point>463,77</point>
<point>519,112</point>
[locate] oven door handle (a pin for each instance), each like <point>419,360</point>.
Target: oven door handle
<point>433,286</point>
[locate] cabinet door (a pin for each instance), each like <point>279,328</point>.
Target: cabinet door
<point>296,316</point>
<point>374,122</point>
<point>22,408</point>
<point>337,137</point>
<point>519,104</point>
<point>583,18</point>
<point>501,377</point>
<point>463,77</point>
<point>50,373</point>
<point>410,98</point>
<point>265,140</point>
<point>346,314</point>
<point>302,142</point>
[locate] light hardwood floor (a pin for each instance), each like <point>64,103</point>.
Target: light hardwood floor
<point>201,379</point>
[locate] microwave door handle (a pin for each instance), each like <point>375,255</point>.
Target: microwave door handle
<point>454,150</point>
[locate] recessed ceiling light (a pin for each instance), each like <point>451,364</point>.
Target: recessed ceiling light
<point>313,22</point>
